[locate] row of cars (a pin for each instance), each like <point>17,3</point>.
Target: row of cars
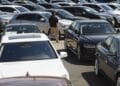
<point>27,56</point>
<point>26,51</point>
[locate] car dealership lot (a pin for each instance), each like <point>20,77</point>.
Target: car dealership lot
<point>81,74</point>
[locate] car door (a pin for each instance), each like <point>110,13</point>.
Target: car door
<point>75,38</point>
<point>103,48</point>
<point>69,37</point>
<point>110,63</point>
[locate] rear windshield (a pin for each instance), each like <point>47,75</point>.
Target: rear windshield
<point>23,29</point>
<point>27,51</point>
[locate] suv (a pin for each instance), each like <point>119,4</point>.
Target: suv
<point>83,35</point>
<point>30,54</point>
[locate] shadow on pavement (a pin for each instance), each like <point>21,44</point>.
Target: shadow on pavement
<point>93,80</point>
<point>72,58</point>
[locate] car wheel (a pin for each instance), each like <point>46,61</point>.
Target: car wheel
<point>118,81</point>
<point>96,67</point>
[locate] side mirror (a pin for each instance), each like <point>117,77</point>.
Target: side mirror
<point>63,54</point>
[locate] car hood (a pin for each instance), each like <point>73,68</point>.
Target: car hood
<point>52,67</point>
<point>92,39</point>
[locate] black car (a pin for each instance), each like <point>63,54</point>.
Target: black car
<point>49,5</point>
<point>83,35</point>
<point>63,14</point>
<point>108,58</point>
<point>105,9</point>
<point>84,11</point>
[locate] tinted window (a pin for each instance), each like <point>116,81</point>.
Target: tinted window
<point>64,13</point>
<point>27,51</point>
<point>7,9</point>
<point>97,8</point>
<point>23,29</point>
<point>113,47</point>
<point>30,17</point>
<point>97,28</point>
<point>22,9</point>
<point>106,43</point>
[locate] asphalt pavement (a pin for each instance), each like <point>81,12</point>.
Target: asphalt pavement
<point>81,73</point>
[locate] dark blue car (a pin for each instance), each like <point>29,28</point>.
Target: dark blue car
<point>83,35</point>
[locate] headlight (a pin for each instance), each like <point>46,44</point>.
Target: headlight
<point>89,46</point>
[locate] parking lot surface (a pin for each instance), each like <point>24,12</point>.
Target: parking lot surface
<point>81,73</point>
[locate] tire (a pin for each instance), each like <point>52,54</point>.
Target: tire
<point>96,68</point>
<point>118,81</point>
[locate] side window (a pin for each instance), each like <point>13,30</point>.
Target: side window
<point>22,17</point>
<point>113,47</point>
<point>7,9</point>
<point>76,28</point>
<point>72,26</point>
<point>106,43</point>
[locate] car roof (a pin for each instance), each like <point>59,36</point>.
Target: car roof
<point>93,20</point>
<point>25,37</point>
<point>21,24</point>
<point>10,6</point>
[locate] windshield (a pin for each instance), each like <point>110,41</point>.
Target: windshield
<point>47,15</point>
<point>97,28</point>
<point>38,7</point>
<point>64,13</point>
<point>106,7</point>
<point>27,51</point>
<point>23,29</point>
<point>22,9</point>
<point>88,9</point>
<point>32,82</point>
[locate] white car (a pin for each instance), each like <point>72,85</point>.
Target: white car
<point>30,54</point>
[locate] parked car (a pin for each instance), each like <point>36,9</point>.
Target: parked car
<point>33,7</point>
<point>63,14</point>
<point>83,35</point>
<point>63,24</point>
<point>104,8</point>
<point>13,9</point>
<point>30,54</point>
<point>114,6</point>
<point>84,11</point>
<point>107,58</point>
<point>35,81</point>
<point>32,17</point>
<point>19,28</point>
<point>50,5</point>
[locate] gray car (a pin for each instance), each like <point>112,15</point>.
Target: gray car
<point>32,17</point>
